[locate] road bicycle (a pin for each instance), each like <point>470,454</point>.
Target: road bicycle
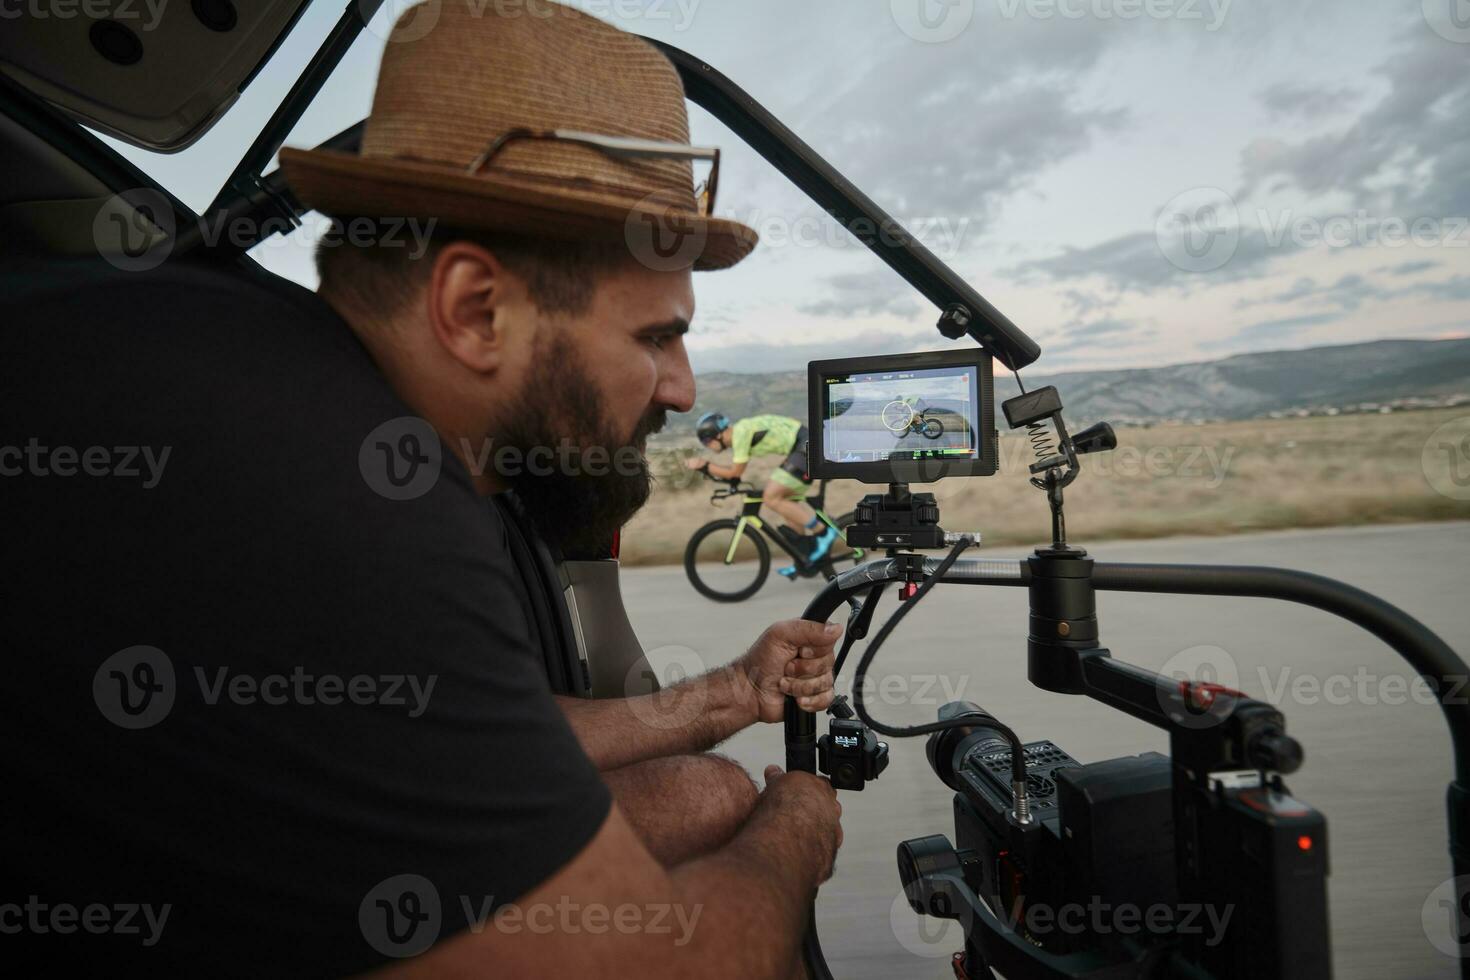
<point>901,417</point>
<point>728,560</point>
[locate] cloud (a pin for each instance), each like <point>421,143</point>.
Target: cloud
<point>1136,262</point>
<point>1409,268</point>
<point>1101,328</point>
<point>1455,288</point>
<point>994,117</point>
<point>1407,154</point>
<point>861,294</point>
<point>1348,293</point>
<point>1304,101</point>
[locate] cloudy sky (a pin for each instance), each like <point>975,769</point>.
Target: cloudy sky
<point>1134,182</point>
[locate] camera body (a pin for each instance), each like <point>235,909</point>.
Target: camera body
<point>1129,859</point>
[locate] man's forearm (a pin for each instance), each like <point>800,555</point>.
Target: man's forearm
<point>692,716</point>
<point>764,880</point>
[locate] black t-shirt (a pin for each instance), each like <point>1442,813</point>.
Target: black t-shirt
<point>260,717</point>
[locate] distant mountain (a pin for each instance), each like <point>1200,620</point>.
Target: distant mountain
<point>1242,386</point>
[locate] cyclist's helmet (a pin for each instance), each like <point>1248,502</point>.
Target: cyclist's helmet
<point>711,424</point>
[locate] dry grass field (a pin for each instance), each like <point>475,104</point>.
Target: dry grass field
<point>1167,479</point>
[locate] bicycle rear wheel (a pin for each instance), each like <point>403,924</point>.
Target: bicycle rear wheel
<point>715,577</point>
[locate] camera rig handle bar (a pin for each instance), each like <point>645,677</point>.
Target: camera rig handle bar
<point>1064,656</point>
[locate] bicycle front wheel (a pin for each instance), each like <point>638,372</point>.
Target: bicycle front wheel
<point>724,567</point>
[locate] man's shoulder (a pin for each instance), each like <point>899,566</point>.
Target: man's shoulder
<point>32,284</point>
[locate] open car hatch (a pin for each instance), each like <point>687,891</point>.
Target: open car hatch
<point>153,74</point>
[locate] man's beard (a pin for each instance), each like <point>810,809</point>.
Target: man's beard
<point>593,481</point>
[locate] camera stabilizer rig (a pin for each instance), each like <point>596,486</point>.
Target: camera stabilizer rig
<point>1212,825</point>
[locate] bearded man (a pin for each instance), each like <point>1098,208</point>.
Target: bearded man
<point>290,697</point>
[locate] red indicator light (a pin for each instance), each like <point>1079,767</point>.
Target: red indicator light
<point>1304,842</point>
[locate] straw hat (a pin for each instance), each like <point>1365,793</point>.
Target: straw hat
<point>484,72</point>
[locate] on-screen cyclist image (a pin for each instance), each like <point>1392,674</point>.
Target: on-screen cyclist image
<point>770,435</point>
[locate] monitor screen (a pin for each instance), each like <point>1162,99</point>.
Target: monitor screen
<point>903,417</point>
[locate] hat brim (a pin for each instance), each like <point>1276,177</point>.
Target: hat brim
<point>347,185</point>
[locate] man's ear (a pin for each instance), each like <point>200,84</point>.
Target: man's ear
<point>469,298</point>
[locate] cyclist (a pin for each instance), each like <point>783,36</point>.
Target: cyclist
<point>769,435</point>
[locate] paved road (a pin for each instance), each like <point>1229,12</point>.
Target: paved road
<point>1377,761</point>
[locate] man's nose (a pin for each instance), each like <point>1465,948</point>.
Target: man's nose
<point>676,382</point>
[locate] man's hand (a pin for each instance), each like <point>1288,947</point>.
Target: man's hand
<point>695,463</point>
<point>811,803</point>
<point>793,658</point>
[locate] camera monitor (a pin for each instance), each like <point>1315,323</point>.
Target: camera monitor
<point>903,418</point>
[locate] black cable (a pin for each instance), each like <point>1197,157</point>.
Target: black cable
<point>1018,755</point>
<point>1018,381</point>
<point>858,627</point>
